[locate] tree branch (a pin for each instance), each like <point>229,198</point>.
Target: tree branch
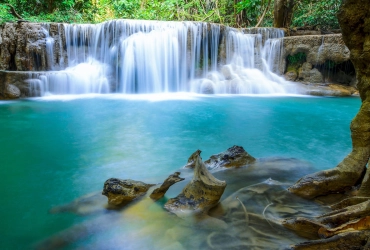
<point>14,12</point>
<point>263,15</point>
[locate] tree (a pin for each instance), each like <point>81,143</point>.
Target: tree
<point>283,13</point>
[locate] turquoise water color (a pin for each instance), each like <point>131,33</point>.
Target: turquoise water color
<point>54,151</point>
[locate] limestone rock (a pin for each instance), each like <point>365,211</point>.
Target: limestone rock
<point>291,76</point>
<point>11,92</point>
<point>159,192</point>
<point>199,195</point>
<point>23,46</point>
<point>192,159</point>
<point>120,191</point>
<point>314,76</point>
<point>304,71</point>
<point>318,49</point>
<point>88,204</point>
<point>328,90</point>
<point>235,156</point>
<point>345,241</point>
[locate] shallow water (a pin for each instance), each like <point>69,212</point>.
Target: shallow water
<point>56,150</point>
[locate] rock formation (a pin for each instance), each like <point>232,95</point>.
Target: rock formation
<point>348,226</point>
<point>172,179</point>
<point>318,48</point>
<point>200,194</point>
<point>349,172</point>
<point>326,60</point>
<point>235,156</point>
<point>23,46</point>
<point>9,91</point>
<point>192,159</point>
<point>120,192</point>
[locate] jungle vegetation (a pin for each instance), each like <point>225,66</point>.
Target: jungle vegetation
<point>312,14</point>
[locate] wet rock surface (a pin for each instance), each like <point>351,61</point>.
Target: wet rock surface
<point>120,192</point>
<point>235,156</point>
<point>9,91</point>
<point>23,46</point>
<point>318,48</point>
<point>200,194</point>
<point>160,192</point>
<point>348,225</point>
<point>327,90</point>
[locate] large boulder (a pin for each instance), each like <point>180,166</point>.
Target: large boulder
<point>10,91</point>
<point>315,76</point>
<point>201,194</point>
<point>309,74</point>
<point>291,76</point>
<point>120,192</point>
<point>304,71</point>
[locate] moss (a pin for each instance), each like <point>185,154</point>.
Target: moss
<point>291,68</point>
<point>294,62</point>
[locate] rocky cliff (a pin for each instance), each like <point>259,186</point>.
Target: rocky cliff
<point>25,46</point>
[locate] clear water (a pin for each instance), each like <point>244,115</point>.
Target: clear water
<point>54,151</point>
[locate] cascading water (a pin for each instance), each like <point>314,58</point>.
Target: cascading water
<point>133,56</point>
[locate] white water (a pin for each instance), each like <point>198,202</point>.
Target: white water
<point>134,56</point>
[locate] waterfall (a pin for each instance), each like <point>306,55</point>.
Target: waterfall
<point>135,56</point>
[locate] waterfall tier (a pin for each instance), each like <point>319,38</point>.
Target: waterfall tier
<point>134,56</point>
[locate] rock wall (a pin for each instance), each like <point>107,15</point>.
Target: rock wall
<point>24,46</point>
<point>318,50</point>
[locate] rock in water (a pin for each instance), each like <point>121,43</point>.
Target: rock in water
<point>235,156</point>
<point>200,194</point>
<point>119,192</point>
<point>10,91</point>
<point>172,179</point>
<point>192,158</point>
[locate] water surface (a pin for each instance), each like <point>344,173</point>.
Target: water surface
<point>54,151</point>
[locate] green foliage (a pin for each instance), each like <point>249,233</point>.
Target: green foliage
<point>300,57</point>
<point>5,16</point>
<point>318,13</point>
<point>241,13</point>
<point>253,10</point>
<point>295,61</point>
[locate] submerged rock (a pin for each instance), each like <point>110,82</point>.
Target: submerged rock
<point>235,156</point>
<point>200,194</point>
<point>85,205</point>
<point>328,90</point>
<point>120,191</point>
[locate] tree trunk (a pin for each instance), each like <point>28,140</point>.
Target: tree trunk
<point>354,19</point>
<point>283,13</point>
<point>264,13</point>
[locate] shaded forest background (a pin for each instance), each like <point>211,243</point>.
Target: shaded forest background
<point>312,14</point>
